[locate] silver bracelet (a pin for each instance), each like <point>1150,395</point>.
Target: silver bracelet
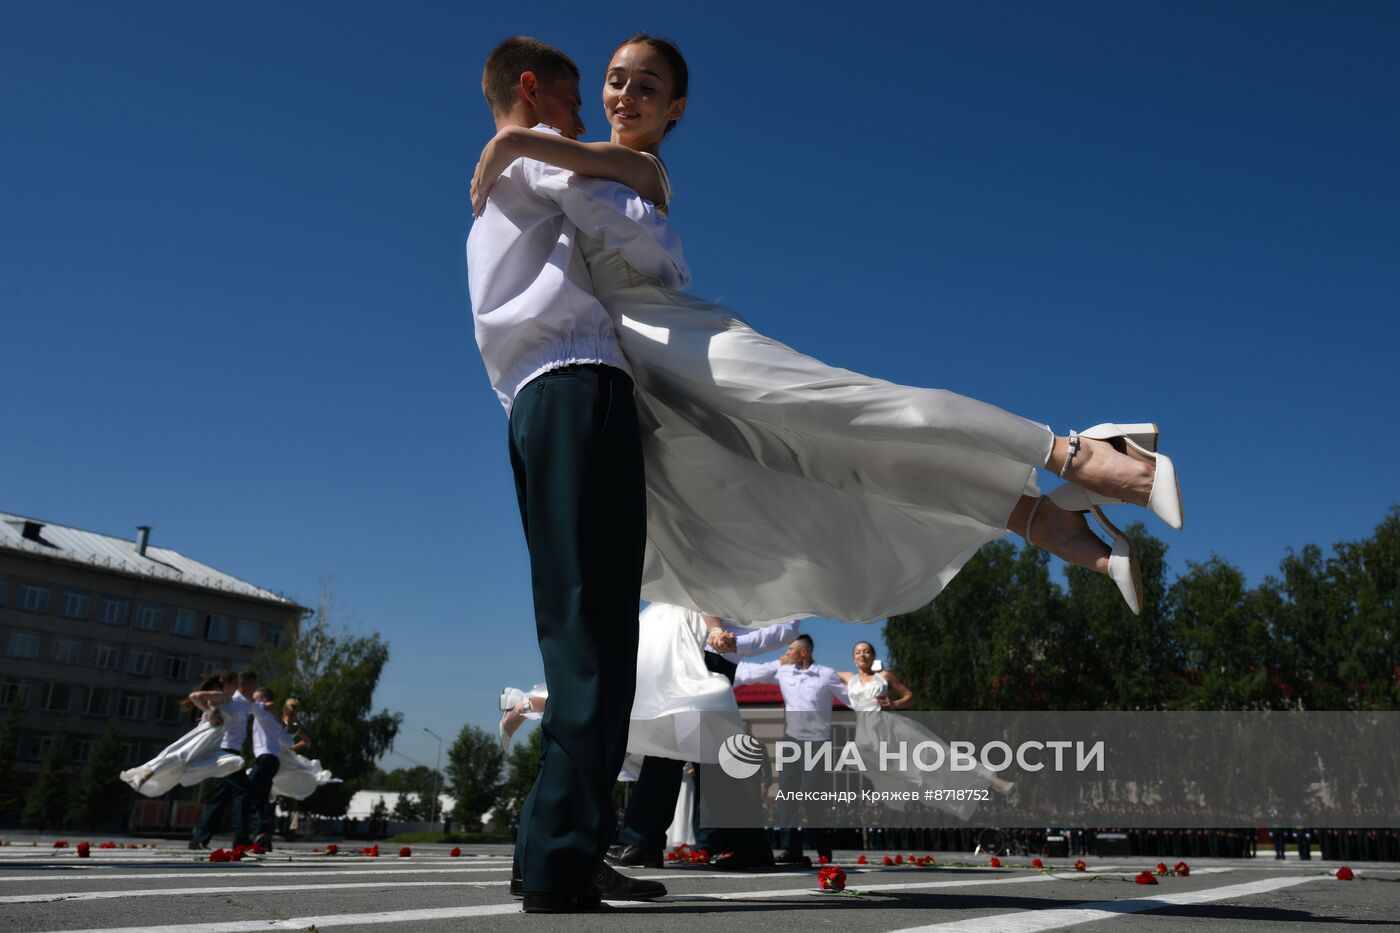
<point>1069,456</point>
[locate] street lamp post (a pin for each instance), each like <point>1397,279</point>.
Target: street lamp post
<point>437,774</point>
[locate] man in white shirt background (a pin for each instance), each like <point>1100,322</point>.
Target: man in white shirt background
<point>808,691</point>
<point>554,360</point>
<point>269,735</point>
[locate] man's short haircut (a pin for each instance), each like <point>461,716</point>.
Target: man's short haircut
<point>248,674</point>
<point>804,640</point>
<point>512,58</point>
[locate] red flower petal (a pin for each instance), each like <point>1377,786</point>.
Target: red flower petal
<point>995,862</point>
<point>888,860</point>
<point>1345,874</point>
<point>861,860</point>
<point>1037,863</point>
<point>455,853</point>
<point>405,852</point>
<point>1079,865</point>
<point>1146,877</point>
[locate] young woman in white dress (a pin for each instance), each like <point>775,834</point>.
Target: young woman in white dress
<point>766,468</point>
<point>297,776</point>
<point>873,694</point>
<point>197,755</point>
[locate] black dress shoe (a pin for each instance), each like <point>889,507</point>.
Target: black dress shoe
<point>562,903</point>
<point>196,844</point>
<point>635,856</point>
<point>789,858</point>
<point>744,860</point>
<point>611,885</point>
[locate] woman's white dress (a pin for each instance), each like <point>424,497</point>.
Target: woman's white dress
<point>778,486</point>
<point>198,755</point>
<point>195,756</point>
<point>681,708</point>
<point>875,726</point>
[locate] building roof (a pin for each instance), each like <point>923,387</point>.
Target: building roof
<point>767,695</point>
<point>118,555</point>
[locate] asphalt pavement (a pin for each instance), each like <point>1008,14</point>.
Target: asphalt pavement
<point>170,889</point>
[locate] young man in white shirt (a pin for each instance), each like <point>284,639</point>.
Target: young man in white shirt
<point>808,689</point>
<point>232,791</point>
<point>269,735</point>
<point>554,359</point>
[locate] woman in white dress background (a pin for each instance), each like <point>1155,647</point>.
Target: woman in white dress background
<point>874,695</point>
<point>779,486</point>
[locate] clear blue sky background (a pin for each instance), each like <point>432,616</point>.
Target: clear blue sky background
<point>233,297</point>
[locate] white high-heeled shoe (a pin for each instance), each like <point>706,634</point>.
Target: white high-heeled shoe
<point>1123,566</point>
<point>1165,498</point>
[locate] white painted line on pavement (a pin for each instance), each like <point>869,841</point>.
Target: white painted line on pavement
<point>332,920</point>
<point>253,873</point>
<point>1033,921</point>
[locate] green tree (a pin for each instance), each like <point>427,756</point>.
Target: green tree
<point>98,790</point>
<point>408,809</point>
<point>10,798</point>
<point>45,804</point>
<point>474,775</point>
<point>334,673</point>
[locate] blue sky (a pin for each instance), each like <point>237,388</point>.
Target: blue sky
<point>233,297</point>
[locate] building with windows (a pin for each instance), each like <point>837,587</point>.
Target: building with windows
<point>98,631</point>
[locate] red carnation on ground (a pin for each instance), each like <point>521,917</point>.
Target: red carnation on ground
<point>257,849</point>
<point>861,861</point>
<point>888,860</point>
<point>1345,874</point>
<point>671,856</point>
<point>83,848</point>
<point>108,845</point>
<point>995,862</point>
<point>1161,868</point>
<point>831,878</point>
<point>823,860</point>
<point>700,857</point>
<point>1079,865</point>
<point>218,855</point>
<point>455,853</point>
<point>60,843</point>
<point>405,852</point>
<point>1145,877</point>
<point>1182,869</point>
<point>331,849</point>
<point>1037,863</point>
<point>899,860</point>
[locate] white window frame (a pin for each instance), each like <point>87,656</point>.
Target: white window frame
<point>149,617</point>
<point>111,653</point>
<point>23,644</point>
<point>114,610</point>
<point>183,624</point>
<point>94,692</point>
<point>214,623</point>
<point>131,706</point>
<point>66,651</point>
<point>75,605</point>
<point>140,661</point>
<point>33,597</point>
<point>46,704</point>
<point>14,693</point>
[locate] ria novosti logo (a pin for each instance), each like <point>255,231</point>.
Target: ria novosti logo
<point>741,756</point>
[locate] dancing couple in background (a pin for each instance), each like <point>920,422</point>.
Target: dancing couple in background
<point>229,704</point>
<point>663,449</point>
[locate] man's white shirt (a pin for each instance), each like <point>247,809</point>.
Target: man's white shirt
<point>235,712</point>
<point>532,298</point>
<point>807,694</point>
<point>269,735</point>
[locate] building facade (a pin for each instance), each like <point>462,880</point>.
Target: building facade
<point>98,631</point>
